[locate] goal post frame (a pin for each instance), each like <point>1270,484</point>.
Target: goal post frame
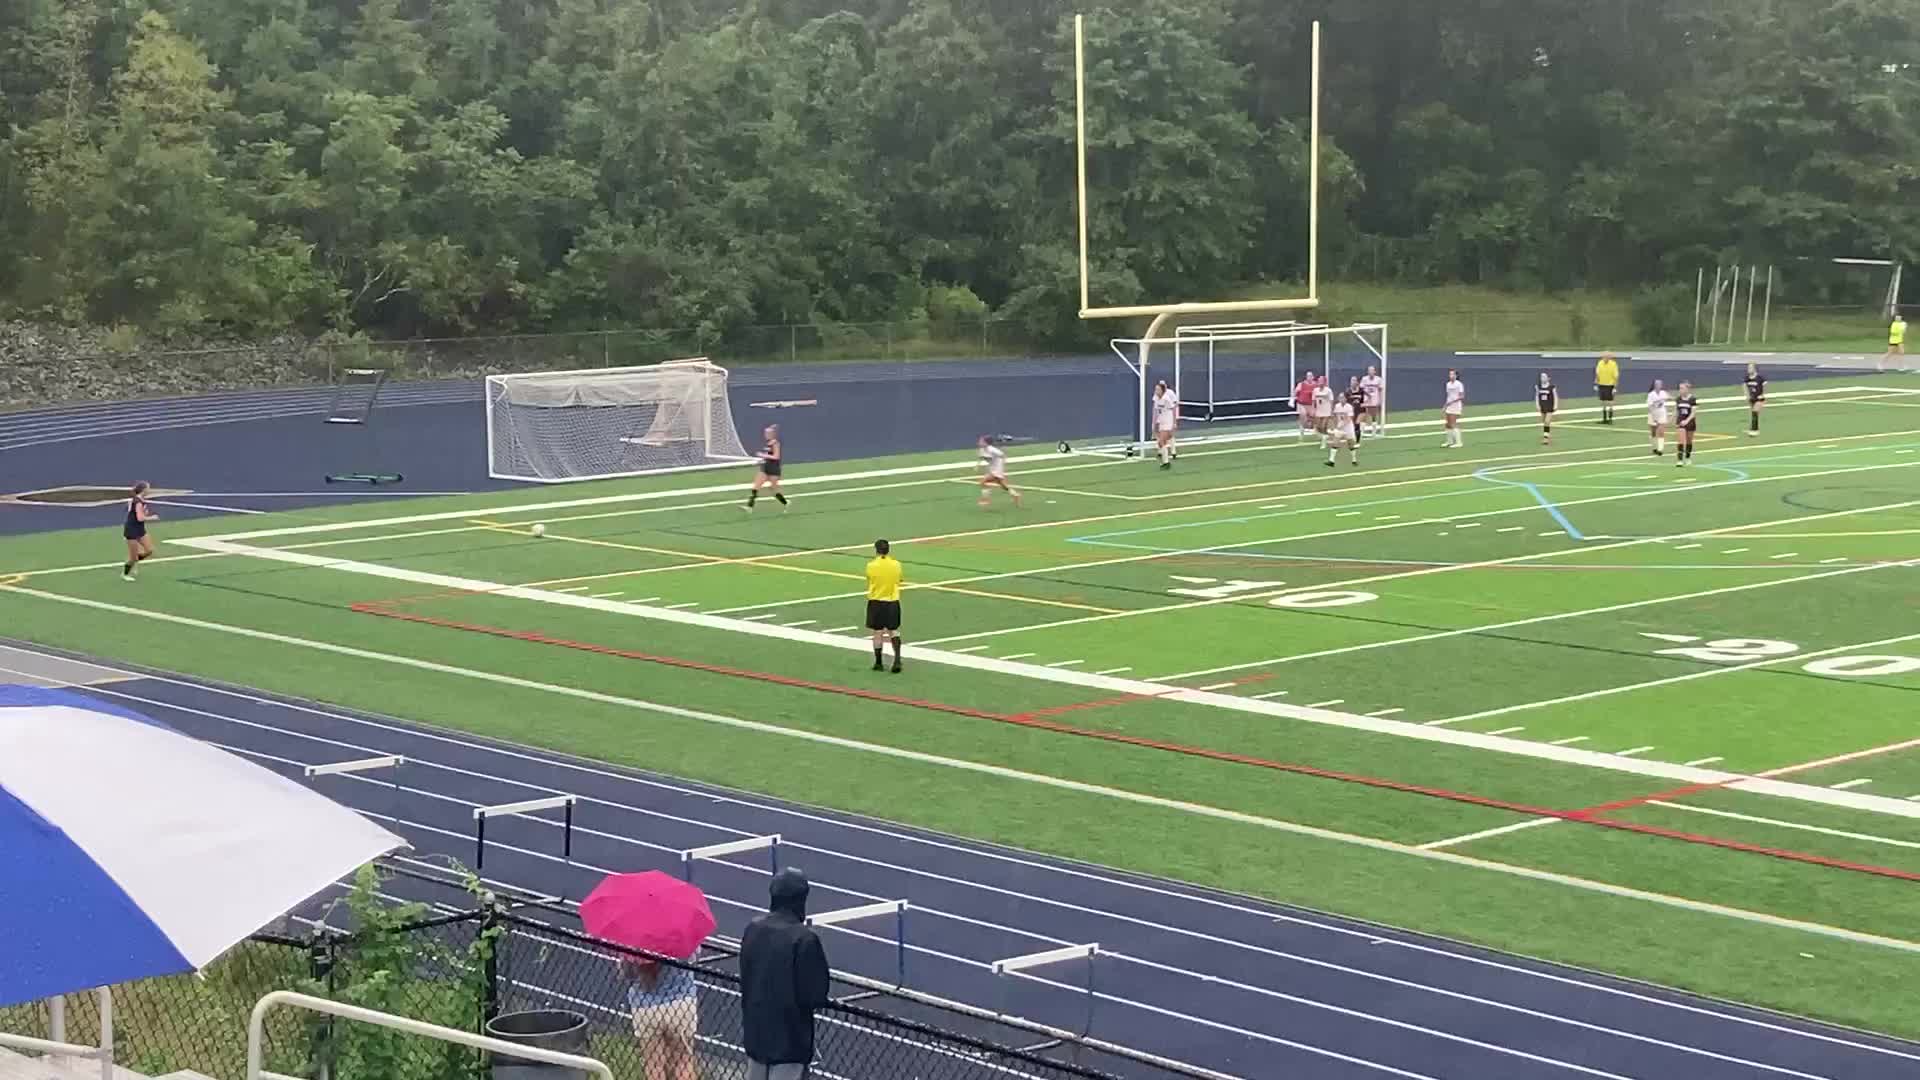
<point>1136,354</point>
<point>1221,307</point>
<point>704,433</point>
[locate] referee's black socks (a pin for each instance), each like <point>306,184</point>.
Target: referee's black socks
<point>896,652</point>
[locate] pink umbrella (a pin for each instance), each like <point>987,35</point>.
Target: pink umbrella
<point>651,911</point>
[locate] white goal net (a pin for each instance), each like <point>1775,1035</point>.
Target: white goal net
<point>596,423</point>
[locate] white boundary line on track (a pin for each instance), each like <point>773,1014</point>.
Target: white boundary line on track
<point>1260,991</point>
<point>1004,772</point>
<point>993,853</point>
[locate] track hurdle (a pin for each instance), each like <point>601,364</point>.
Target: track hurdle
<point>895,908</point>
<point>522,809</point>
<point>690,857</point>
<point>362,765</point>
<point>1020,965</point>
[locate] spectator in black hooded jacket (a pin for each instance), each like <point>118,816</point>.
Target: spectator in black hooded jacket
<point>783,979</point>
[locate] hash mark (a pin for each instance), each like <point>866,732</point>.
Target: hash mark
<point>644,600</point>
<point>1471,524</point>
<point>1508,730</point>
<point>1785,555</point>
<point>1019,656</point>
<point>802,622</point>
<point>682,607</point>
<point>1548,534</point>
<point>1270,694</point>
<point>605,595</point>
<point>1830,562</point>
<point>1066,663</point>
<point>1516,528</point>
<point>1568,742</point>
<point>842,629</point>
<point>1275,506</point>
<point>1735,551</point>
<point>1851,783</point>
<point>761,618</point>
<point>974,648</point>
<point>1388,517</point>
<point>1706,761</point>
<point>574,588</point>
<point>1632,751</point>
<point>1382,712</point>
<point>1218,686</point>
<point>1113,671</point>
<point>1689,547</point>
<point>1348,513</point>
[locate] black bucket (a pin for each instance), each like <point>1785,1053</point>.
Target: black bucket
<point>548,1029</point>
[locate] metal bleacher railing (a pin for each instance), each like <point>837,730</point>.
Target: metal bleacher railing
<point>460,970</point>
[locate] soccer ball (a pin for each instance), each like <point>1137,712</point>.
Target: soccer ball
<point>539,530</point>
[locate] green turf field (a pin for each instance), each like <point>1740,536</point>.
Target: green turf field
<point>1570,700</point>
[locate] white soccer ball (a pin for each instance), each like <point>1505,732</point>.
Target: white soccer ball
<point>539,530</point>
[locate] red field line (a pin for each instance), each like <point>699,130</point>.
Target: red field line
<point>1036,720</point>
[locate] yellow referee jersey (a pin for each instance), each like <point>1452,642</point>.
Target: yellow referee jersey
<point>883,578</point>
<point>1897,333</point>
<point>1606,372</point>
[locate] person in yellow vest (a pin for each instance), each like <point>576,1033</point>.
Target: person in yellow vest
<point>883,603</point>
<point>1896,339</point>
<point>1606,379</point>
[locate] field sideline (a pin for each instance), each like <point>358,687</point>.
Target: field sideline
<point>1505,694</point>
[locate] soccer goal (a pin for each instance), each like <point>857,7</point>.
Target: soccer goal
<point>552,427</point>
<point>1246,372</point>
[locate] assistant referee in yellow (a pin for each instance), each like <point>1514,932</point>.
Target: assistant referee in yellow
<point>883,603</point>
<point>1606,380</point>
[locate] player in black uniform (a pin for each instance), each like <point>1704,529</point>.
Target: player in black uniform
<point>139,544</point>
<point>1756,399</point>
<point>1357,398</point>
<point>1548,399</point>
<point>769,474</point>
<point>1686,418</point>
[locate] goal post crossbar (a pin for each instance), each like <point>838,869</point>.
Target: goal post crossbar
<point>1194,347</point>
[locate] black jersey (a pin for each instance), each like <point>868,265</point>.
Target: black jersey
<point>1544,397</point>
<point>770,452</point>
<point>1356,398</point>
<point>1685,407</point>
<point>1756,387</point>
<point>134,528</point>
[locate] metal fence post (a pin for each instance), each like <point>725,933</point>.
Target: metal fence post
<point>320,964</point>
<point>489,961</point>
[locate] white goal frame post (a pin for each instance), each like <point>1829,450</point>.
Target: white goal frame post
<point>710,435</point>
<point>1195,357</point>
<point>1162,313</point>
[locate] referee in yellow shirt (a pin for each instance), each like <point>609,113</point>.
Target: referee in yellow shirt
<point>1896,339</point>
<point>1606,379</point>
<point>883,603</point>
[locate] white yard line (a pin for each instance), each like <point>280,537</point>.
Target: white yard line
<point>996,771</point>
<point>1483,834</point>
<point>1777,823</point>
<point>1487,628</point>
<point>1005,667</point>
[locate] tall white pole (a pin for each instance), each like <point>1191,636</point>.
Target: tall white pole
<point>1080,142</point>
<point>1699,283</point>
<point>1753,274</point>
<point>1313,177</point>
<point>1766,315</point>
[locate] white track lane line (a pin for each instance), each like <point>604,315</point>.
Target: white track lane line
<point>1030,862</point>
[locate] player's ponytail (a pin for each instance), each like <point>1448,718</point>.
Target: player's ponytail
<point>140,489</point>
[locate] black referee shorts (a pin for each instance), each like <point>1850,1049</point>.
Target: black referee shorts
<point>883,615</point>
<point>1605,392</point>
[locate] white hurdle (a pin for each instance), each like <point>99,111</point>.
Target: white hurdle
<point>690,857</point>
<point>895,908</point>
<point>1020,965</point>
<point>362,765</point>
<point>522,809</point>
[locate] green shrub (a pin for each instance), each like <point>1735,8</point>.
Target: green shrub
<point>1663,315</point>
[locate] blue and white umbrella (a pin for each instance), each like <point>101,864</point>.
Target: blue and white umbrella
<point>129,850</point>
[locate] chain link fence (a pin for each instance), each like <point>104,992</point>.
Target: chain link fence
<point>464,969</point>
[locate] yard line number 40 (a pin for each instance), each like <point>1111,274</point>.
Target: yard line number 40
<point>1747,650</point>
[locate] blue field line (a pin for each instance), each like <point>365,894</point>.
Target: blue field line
<point>1491,475</point>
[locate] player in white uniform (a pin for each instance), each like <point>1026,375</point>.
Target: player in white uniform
<point>994,461</point>
<point>1322,409</point>
<point>1456,404</point>
<point>1343,433</point>
<point>1373,390</point>
<point>1657,417</point>
<point>1166,418</point>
